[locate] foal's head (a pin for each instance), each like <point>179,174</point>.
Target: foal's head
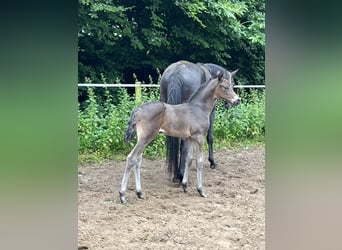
<point>224,89</point>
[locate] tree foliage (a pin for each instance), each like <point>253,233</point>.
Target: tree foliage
<point>122,37</point>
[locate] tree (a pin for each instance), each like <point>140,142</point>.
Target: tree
<point>122,37</point>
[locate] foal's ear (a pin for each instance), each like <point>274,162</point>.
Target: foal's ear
<point>219,75</point>
<point>234,72</point>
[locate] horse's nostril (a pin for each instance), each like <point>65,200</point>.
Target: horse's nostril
<point>238,101</point>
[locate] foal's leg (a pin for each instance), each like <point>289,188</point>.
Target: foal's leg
<point>133,159</point>
<point>130,163</point>
<point>187,162</point>
<point>199,174</point>
<point>199,163</point>
<point>210,140</point>
<point>137,178</point>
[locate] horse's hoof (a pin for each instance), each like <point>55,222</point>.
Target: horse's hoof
<point>123,198</point>
<point>185,186</point>
<point>140,195</point>
<point>213,165</point>
<point>177,179</point>
<point>202,194</point>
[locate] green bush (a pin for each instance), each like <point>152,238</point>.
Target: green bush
<point>243,124</point>
<point>101,128</point>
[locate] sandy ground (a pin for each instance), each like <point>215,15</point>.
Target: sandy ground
<point>232,216</point>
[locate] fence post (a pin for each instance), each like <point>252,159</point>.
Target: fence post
<point>138,93</point>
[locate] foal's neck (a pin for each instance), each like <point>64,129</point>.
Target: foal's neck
<point>204,97</point>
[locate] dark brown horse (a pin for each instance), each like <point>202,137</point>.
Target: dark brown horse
<point>178,82</point>
<point>188,120</point>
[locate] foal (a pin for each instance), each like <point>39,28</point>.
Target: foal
<point>178,82</point>
<point>188,120</point>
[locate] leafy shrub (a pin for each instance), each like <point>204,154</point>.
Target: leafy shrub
<point>244,123</point>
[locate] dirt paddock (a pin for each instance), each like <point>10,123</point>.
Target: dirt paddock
<point>232,216</point>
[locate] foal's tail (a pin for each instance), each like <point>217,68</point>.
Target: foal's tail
<point>131,127</point>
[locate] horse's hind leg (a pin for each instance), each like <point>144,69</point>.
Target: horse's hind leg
<point>183,155</point>
<point>210,141</point>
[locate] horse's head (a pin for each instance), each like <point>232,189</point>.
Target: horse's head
<point>224,89</point>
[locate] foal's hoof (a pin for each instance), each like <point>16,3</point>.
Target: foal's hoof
<point>213,165</point>
<point>140,195</point>
<point>123,198</point>
<point>202,194</point>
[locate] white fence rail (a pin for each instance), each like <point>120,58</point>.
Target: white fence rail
<point>148,85</point>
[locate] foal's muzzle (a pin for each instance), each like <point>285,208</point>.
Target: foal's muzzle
<point>237,101</point>
<point>234,103</point>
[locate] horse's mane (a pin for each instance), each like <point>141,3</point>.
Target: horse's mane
<point>214,68</point>
<point>199,90</point>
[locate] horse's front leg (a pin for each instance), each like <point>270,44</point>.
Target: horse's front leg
<point>199,164</point>
<point>210,140</point>
<point>199,175</point>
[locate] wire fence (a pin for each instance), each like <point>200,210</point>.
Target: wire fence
<point>116,85</point>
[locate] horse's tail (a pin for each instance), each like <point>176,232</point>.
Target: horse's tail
<point>131,127</point>
<point>174,96</point>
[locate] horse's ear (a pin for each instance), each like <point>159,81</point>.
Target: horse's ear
<point>235,71</point>
<point>219,75</point>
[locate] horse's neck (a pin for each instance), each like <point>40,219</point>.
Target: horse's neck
<point>206,72</point>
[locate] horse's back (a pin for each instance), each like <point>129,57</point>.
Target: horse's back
<point>182,76</point>
<point>178,69</point>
